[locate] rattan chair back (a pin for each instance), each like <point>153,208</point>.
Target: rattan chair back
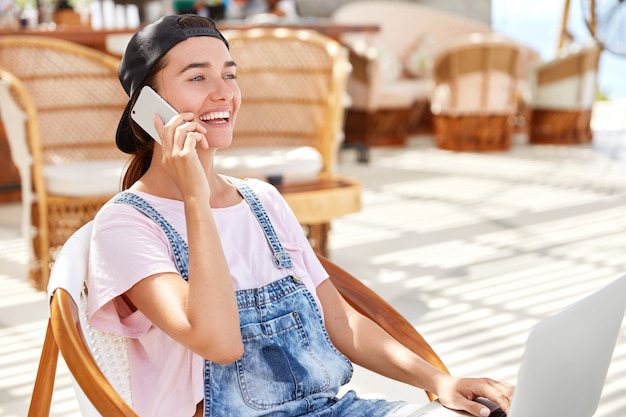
<point>485,56</point>
<point>73,100</point>
<point>75,91</point>
<point>293,84</point>
<point>474,100</point>
<point>564,91</point>
<point>567,82</point>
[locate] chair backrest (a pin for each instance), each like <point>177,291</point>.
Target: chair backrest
<point>75,91</point>
<point>98,361</point>
<point>567,82</point>
<point>293,84</point>
<point>76,94</point>
<point>476,75</point>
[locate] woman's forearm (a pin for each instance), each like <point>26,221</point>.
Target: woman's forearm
<point>211,304</point>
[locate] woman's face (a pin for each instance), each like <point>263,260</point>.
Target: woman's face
<point>199,76</point>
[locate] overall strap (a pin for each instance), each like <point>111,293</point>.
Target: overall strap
<point>282,259</point>
<point>177,243</point>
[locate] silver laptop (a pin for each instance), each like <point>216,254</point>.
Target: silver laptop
<point>566,359</point>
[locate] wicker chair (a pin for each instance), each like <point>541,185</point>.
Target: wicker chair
<point>98,360</point>
<point>72,101</point>
<point>290,125</point>
<point>474,101</point>
<point>563,92</point>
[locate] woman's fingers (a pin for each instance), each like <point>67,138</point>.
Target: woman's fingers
<point>461,395</point>
<point>181,128</point>
<point>187,135</point>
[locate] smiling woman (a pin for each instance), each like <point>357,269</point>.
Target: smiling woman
<point>210,278</point>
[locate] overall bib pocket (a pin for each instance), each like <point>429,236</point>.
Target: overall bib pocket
<point>278,364</point>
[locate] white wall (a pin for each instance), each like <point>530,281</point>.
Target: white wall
<point>476,9</point>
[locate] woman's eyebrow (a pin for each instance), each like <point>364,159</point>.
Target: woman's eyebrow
<point>194,65</point>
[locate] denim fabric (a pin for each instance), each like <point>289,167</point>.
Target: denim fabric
<point>290,366</point>
<point>281,258</point>
<point>178,245</point>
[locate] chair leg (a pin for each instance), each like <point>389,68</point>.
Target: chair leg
<point>363,151</point>
<point>318,237</point>
<point>39,267</point>
<point>44,383</point>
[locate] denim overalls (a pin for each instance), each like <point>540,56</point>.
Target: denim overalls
<point>289,366</point>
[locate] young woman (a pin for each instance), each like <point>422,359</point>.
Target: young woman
<point>225,306</point>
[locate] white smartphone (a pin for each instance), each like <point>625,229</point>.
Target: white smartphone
<point>147,105</point>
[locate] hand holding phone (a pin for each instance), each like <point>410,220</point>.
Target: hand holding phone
<point>147,105</point>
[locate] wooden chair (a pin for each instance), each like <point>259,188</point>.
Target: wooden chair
<point>563,92</point>
<point>290,126</point>
<point>109,395</point>
<point>474,102</point>
<point>72,101</point>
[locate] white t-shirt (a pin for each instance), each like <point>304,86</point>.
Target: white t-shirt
<point>127,246</point>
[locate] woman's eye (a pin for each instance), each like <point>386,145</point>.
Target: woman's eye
<point>197,78</point>
<point>230,76</point>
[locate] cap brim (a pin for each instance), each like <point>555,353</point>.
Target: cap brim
<point>124,138</point>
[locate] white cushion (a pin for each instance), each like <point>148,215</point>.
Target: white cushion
<point>82,179</point>
<point>567,93</point>
<point>292,163</point>
<point>404,92</point>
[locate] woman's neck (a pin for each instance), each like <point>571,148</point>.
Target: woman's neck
<point>158,183</point>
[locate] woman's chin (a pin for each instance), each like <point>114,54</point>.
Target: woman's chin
<point>219,141</point>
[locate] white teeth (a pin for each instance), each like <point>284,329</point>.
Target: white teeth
<point>215,115</point>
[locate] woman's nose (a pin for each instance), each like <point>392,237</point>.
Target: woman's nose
<point>221,91</point>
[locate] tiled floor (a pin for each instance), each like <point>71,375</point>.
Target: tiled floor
<point>472,248</point>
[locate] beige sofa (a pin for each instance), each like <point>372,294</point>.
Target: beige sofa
<point>392,81</point>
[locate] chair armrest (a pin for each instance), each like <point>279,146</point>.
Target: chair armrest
<point>362,57</point>
<point>44,382</point>
<point>365,75</point>
<point>368,303</point>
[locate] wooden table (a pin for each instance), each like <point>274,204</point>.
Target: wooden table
<point>96,39</point>
<point>316,203</point>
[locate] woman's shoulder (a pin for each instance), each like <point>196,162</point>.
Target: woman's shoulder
<point>268,194</point>
<point>116,214</point>
<point>261,187</point>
